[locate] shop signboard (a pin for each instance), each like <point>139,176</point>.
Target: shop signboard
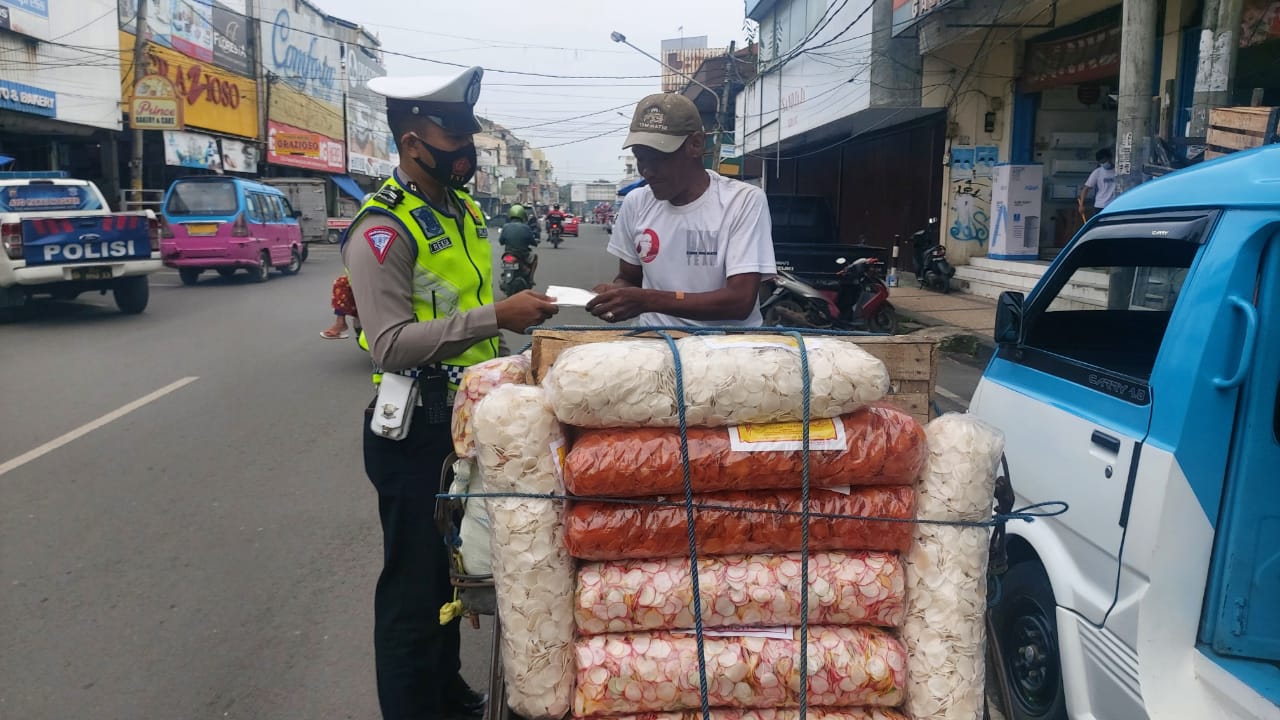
<point>28,99</point>
<point>209,98</point>
<point>27,17</point>
<point>296,147</point>
<point>192,150</point>
<point>159,19</point>
<point>155,105</point>
<point>298,46</point>
<point>291,107</point>
<point>239,156</point>
<point>191,32</point>
<point>907,12</point>
<point>370,147</point>
<point>231,40</point>
<point>1089,56</point>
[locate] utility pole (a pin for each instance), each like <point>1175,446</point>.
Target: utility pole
<point>1137,66</point>
<point>139,65</point>
<point>1215,70</point>
<point>722,106</point>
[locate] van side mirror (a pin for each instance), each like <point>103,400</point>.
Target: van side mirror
<point>296,214</point>
<point>1009,318</point>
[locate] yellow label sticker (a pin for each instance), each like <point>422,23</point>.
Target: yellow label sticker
<point>824,434</point>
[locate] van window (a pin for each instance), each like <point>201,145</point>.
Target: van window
<point>1109,305</point>
<point>255,208</point>
<point>286,208</point>
<point>273,202</point>
<point>202,198</point>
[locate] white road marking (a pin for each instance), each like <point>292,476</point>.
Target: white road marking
<point>952,397</point>
<point>89,427</point>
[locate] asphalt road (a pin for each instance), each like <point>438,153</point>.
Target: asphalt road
<point>185,527</point>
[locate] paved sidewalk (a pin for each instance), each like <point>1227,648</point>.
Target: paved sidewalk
<point>970,314</point>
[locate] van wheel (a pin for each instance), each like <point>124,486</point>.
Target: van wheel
<point>1028,666</point>
<point>295,263</point>
<point>226,272</point>
<point>306,251</point>
<point>190,276</point>
<point>262,270</point>
<point>131,294</point>
<point>333,236</point>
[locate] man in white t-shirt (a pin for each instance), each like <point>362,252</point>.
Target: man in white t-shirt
<point>1102,181</point>
<point>692,246</point>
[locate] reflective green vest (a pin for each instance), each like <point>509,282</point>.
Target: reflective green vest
<point>454,270</point>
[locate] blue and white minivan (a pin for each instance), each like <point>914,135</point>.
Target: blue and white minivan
<point>1140,382</point>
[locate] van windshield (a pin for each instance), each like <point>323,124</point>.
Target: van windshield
<point>202,198</point>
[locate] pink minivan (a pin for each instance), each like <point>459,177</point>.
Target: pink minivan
<point>225,223</point>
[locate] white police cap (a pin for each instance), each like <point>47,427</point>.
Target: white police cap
<point>445,99</point>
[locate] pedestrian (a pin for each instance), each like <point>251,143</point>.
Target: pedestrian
<point>418,257</point>
<point>344,305</point>
<point>1102,181</point>
<point>692,245</point>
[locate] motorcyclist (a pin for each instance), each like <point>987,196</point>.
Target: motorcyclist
<point>518,239</point>
<point>555,218</point>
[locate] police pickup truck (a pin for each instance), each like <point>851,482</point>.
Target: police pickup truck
<point>60,239</point>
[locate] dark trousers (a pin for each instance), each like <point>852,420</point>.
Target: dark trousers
<point>416,657</point>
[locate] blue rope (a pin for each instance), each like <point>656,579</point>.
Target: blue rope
<point>689,519</point>
<point>1028,513</point>
<point>804,528</point>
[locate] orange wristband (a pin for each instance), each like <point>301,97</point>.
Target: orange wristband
<point>679,295</point>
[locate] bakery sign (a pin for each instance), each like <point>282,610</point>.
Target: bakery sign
<point>155,105</point>
<point>210,98</point>
<point>907,12</point>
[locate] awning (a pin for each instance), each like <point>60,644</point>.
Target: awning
<point>349,186</point>
<point>632,186</point>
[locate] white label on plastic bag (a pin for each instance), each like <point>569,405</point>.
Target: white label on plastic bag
<point>751,341</point>
<point>825,434</point>
<point>558,453</point>
<point>773,633</point>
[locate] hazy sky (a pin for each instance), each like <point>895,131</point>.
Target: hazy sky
<point>564,37</point>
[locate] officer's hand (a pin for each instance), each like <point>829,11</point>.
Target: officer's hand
<point>524,310</point>
<point>617,304</point>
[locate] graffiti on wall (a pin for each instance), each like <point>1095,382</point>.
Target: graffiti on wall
<point>969,219</point>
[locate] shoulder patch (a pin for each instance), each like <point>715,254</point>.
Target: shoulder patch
<point>427,220</point>
<point>380,239</point>
<point>389,195</point>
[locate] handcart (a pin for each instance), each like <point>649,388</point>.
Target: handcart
<point>476,592</point>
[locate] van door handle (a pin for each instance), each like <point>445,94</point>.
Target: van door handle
<point>1106,442</point>
<point>1250,314</point>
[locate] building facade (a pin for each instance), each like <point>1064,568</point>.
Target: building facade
<point>59,88</point>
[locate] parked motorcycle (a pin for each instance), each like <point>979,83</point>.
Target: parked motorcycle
<point>517,275</point>
<point>860,301</point>
<point>933,271</point>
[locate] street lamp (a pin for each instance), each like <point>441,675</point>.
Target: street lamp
<point>719,96</point>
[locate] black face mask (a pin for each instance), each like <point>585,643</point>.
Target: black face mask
<point>453,168</point>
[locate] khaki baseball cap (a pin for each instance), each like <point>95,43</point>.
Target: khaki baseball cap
<point>663,121</point>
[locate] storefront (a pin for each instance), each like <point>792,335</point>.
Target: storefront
<point>204,57</point>
<point>1038,84</point>
<point>59,108</point>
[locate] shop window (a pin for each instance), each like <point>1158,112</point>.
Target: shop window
<point>1109,305</point>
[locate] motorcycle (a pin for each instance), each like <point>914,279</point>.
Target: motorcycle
<point>933,271</point>
<point>517,275</point>
<point>860,301</point>
<point>554,232</point>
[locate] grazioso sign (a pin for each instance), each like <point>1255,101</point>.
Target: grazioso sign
<point>207,97</point>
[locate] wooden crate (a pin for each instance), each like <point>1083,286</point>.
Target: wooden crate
<point>912,361</point>
<point>1240,128</point>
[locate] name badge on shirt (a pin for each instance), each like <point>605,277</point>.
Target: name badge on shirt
<point>429,223</point>
<point>443,243</point>
<point>482,232</point>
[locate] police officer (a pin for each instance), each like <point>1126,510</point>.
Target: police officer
<point>419,260</point>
